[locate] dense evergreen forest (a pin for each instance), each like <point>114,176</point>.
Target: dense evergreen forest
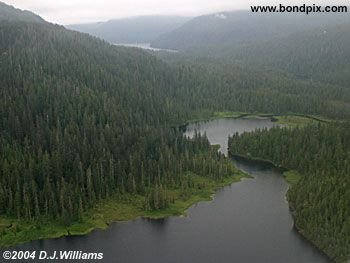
<point>10,13</point>
<point>314,47</point>
<point>320,54</point>
<point>320,201</point>
<point>219,86</point>
<point>82,120</point>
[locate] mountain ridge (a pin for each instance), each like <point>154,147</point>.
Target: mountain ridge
<point>10,13</point>
<point>238,27</point>
<point>140,29</point>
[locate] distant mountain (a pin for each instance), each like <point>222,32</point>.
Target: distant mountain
<point>10,13</point>
<point>321,53</point>
<point>83,122</point>
<point>143,29</point>
<point>310,47</point>
<point>210,33</point>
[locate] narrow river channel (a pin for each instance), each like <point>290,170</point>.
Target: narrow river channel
<point>246,222</point>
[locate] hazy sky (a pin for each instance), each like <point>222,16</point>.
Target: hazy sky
<point>80,11</point>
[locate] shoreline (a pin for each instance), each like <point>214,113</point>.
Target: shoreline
<point>106,213</point>
<point>284,171</point>
<point>116,210</point>
<point>290,119</point>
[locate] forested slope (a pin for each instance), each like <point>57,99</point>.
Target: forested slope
<point>320,201</point>
<point>219,31</point>
<point>207,85</point>
<point>312,47</point>
<point>321,54</point>
<point>82,120</point>
<point>10,13</point>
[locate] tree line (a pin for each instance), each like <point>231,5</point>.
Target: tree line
<point>321,199</point>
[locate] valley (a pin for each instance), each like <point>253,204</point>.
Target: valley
<point>104,144</point>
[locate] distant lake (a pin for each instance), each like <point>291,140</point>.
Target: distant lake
<point>247,222</point>
<point>146,46</point>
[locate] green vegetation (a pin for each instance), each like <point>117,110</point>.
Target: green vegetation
<point>315,47</point>
<point>82,121</point>
<point>292,177</point>
<point>300,120</point>
<point>88,134</point>
<point>207,115</point>
<point>227,114</point>
<point>289,120</point>
<point>120,207</point>
<point>294,121</point>
<point>9,13</point>
<point>228,88</point>
<point>318,156</point>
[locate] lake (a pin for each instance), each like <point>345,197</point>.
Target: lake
<point>246,222</point>
<point>146,46</point>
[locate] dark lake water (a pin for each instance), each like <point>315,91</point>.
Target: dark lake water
<point>246,222</point>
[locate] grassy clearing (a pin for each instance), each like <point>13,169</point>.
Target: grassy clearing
<point>204,193</point>
<point>118,208</point>
<point>292,177</point>
<point>128,207</point>
<point>227,114</point>
<point>291,120</point>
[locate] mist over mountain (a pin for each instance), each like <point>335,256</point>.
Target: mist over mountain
<point>143,29</point>
<point>10,13</point>
<point>224,29</point>
<point>315,46</point>
<point>321,53</point>
<point>90,131</point>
